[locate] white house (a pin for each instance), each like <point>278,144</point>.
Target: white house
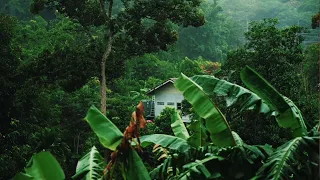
<point>166,95</point>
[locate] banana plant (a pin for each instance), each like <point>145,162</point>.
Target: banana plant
<point>288,114</point>
<point>215,122</point>
<point>41,166</point>
<point>110,137</point>
<point>178,127</point>
<point>296,158</point>
<point>192,155</point>
<point>90,166</point>
<point>232,93</point>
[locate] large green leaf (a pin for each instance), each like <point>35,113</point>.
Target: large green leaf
<point>198,167</point>
<point>166,141</point>
<point>289,116</point>
<point>22,176</point>
<point>237,138</point>
<point>250,152</point>
<point>199,135</point>
<point>234,93</point>
<point>164,171</point>
<point>109,135</point>
<point>42,166</point>
<point>298,154</point>
<point>136,169</point>
<point>90,166</point>
<point>178,127</point>
<point>215,121</point>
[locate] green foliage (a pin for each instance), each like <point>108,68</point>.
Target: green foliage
<point>178,127</point>
<point>289,116</point>
<point>213,40</point>
<point>52,60</point>
<point>51,114</point>
<point>16,8</point>
<point>109,135</point>
<point>120,108</point>
<point>315,20</point>
<point>242,161</point>
<point>42,166</point>
<point>141,26</point>
<point>215,121</point>
<point>49,69</point>
<point>167,141</point>
<point>190,67</point>
<point>308,100</point>
<point>295,159</point>
<point>163,122</point>
<point>198,167</point>
<point>310,70</point>
<point>187,160</point>
<point>149,65</point>
<point>135,168</point>
<point>90,166</point>
<point>9,63</point>
<point>233,93</point>
<point>275,53</point>
<point>198,136</point>
<point>265,131</point>
<point>288,12</point>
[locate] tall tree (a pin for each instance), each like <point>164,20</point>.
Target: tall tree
<point>9,63</point>
<point>274,52</point>
<point>213,40</point>
<point>130,27</point>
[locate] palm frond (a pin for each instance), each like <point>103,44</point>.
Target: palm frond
<point>293,159</point>
<point>90,166</point>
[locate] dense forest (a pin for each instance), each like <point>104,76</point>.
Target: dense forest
<point>73,72</point>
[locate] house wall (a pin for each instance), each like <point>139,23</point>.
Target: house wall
<point>168,94</point>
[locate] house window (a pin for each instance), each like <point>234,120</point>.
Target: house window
<point>179,106</point>
<point>160,103</point>
<point>170,103</point>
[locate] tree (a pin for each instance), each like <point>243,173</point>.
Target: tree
<point>213,40</point>
<point>9,63</point>
<point>226,157</point>
<point>276,53</point>
<point>236,159</point>
<point>131,27</point>
<point>315,20</point>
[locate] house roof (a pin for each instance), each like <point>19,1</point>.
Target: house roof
<point>170,80</point>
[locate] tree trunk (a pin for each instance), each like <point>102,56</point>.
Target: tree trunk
<point>319,79</point>
<point>103,85</point>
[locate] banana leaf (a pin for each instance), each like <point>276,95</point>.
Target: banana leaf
<point>164,171</point>
<point>199,136</point>
<point>215,122</point>
<point>234,93</point>
<point>199,168</point>
<point>42,166</point>
<point>288,114</point>
<point>109,135</point>
<point>22,176</point>
<point>90,166</point>
<point>136,170</point>
<point>178,127</point>
<point>166,141</point>
<point>286,161</point>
